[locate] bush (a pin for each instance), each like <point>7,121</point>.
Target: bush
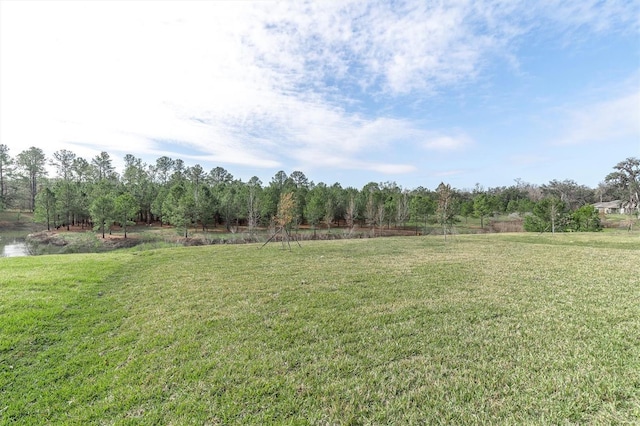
<point>534,224</point>
<point>549,215</point>
<point>586,219</point>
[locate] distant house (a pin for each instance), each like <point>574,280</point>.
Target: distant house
<point>609,207</point>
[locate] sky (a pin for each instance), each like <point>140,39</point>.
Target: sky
<point>415,92</point>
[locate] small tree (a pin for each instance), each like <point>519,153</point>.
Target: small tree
<point>586,218</point>
<point>446,208</point>
<point>380,215</point>
<point>372,211</point>
<point>549,214</point>
<point>466,210</point>
<point>254,187</point>
<point>402,213</point>
<point>421,207</point>
<point>102,212</point>
<point>350,212</point>
<point>125,208</point>
<point>207,208</point>
<point>285,216</point>
<point>482,207</point>
<point>158,207</point>
<point>179,207</point>
<point>314,209</point>
<point>329,211</point>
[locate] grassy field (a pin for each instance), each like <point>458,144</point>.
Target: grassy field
<point>500,328</point>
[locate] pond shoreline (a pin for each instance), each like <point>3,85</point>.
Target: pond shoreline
<point>15,248</point>
<point>15,228</point>
<point>86,241</point>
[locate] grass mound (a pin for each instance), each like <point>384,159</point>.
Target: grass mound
<point>482,329</point>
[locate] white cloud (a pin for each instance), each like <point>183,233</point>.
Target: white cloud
<point>604,122</point>
<point>594,15</point>
<point>256,84</point>
<point>443,142</point>
<point>388,48</point>
<point>391,169</point>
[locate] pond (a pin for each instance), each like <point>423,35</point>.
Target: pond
<point>13,242</point>
<point>14,229</point>
<point>14,248</point>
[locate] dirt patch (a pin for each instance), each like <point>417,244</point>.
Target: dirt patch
<point>507,226</point>
<point>190,242</point>
<point>118,242</point>
<point>77,242</point>
<point>47,238</point>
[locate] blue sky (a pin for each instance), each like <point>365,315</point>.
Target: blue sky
<point>420,92</point>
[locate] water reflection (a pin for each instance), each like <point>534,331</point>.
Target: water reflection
<point>15,249</point>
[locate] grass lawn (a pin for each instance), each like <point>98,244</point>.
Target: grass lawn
<point>499,328</point>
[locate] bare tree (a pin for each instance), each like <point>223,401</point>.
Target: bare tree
<point>380,215</point>
<point>569,192</point>
<point>329,211</point>
<point>445,211</point>
<point>371,212</point>
<point>402,212</point>
<point>350,214</point>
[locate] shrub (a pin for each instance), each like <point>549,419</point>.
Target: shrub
<point>549,214</point>
<point>586,218</point>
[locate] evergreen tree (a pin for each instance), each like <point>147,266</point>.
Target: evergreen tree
<point>315,207</point>
<point>179,208</point>
<point>102,210</point>
<point>31,163</point>
<point>254,190</point>
<point>45,211</point>
<point>66,192</point>
<point>125,208</point>
<point>421,208</point>
<point>6,168</point>
<point>482,207</point>
<point>549,215</point>
<point>586,219</point>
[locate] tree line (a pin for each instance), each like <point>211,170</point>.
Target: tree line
<point>91,193</point>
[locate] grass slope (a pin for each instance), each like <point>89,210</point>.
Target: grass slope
<point>482,329</point>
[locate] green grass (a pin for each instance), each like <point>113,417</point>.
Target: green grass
<point>500,328</point>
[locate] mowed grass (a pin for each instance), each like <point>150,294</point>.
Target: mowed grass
<point>509,329</point>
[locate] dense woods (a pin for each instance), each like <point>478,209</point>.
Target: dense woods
<point>91,193</point>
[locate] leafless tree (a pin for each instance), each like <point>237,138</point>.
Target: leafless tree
<point>402,212</point>
<point>350,213</point>
<point>380,215</point>
<point>445,211</point>
<point>253,204</point>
